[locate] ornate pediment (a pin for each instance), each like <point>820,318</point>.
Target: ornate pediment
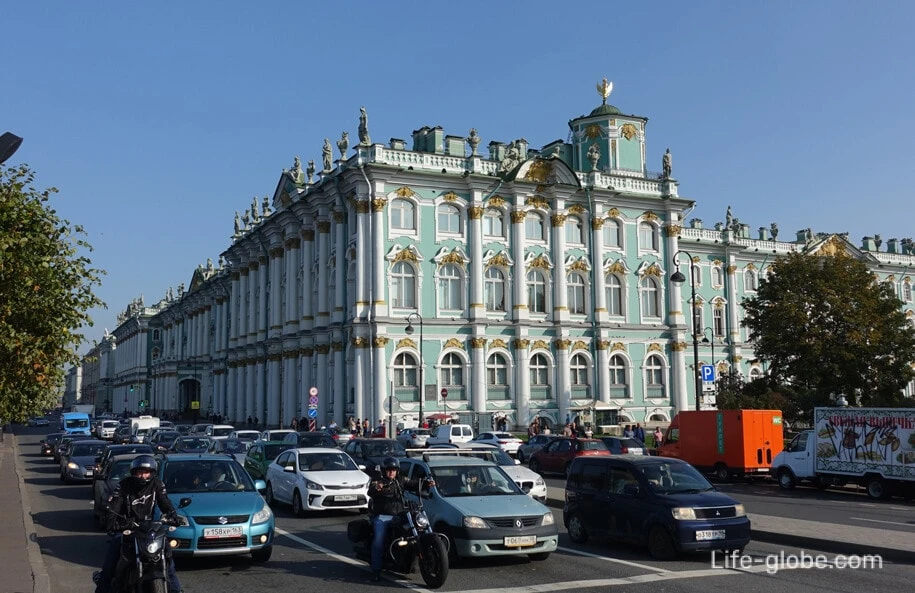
<point>451,256</point>
<point>541,261</point>
<point>836,245</point>
<point>400,253</point>
<point>500,259</point>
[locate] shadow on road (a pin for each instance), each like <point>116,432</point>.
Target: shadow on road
<point>68,520</point>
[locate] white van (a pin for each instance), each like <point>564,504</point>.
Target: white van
<point>450,434</point>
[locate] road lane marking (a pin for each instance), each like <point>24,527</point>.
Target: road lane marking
<point>616,560</point>
<point>879,521</point>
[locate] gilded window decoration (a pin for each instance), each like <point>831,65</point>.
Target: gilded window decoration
<point>652,270</point>
<point>496,201</point>
<point>537,202</point>
<point>498,260</point>
<point>628,131</point>
<point>576,209</point>
<point>540,345</point>
<point>453,343</point>
<point>451,258</point>
<point>655,348</point>
<point>407,255</point>
<point>558,220</point>
<point>406,343</point>
<point>540,262</point>
<point>649,216</point>
<point>579,265</point>
<point>404,192</point>
<point>579,345</point>
<point>618,347</point>
<point>451,197</point>
<point>498,343</point>
<point>539,171</point>
<point>592,131</point>
<point>616,267</point>
<point>613,213</point>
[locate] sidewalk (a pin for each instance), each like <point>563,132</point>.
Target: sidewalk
<point>894,546</point>
<point>23,567</point>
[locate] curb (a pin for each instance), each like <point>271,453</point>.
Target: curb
<point>846,548</point>
<point>41,582</point>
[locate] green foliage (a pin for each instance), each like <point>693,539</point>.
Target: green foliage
<point>46,286</point>
<point>762,394</point>
<point>825,325</point>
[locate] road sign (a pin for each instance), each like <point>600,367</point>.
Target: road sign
<point>313,400</point>
<point>312,413</point>
<point>313,391</point>
<point>708,372</point>
<point>444,392</point>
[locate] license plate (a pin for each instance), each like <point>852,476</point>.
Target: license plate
<point>704,536</point>
<point>88,474</point>
<point>345,497</point>
<point>520,541</point>
<point>222,532</point>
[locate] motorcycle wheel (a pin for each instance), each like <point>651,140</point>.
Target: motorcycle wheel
<point>433,562</point>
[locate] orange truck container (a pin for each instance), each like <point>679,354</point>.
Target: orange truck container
<point>725,442</point>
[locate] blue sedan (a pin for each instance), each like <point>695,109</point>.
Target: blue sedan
<point>219,507</point>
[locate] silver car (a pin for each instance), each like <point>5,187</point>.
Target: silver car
<point>77,463</point>
<point>414,438</point>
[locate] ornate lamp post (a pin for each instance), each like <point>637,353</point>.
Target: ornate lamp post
<point>679,278</point>
<point>422,384</point>
<point>710,342</point>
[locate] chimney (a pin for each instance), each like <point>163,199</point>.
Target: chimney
<point>892,246</point>
<point>763,233</point>
<point>454,145</point>
<point>419,139</point>
<point>496,151</point>
<point>435,140</point>
<point>868,244</point>
<point>398,144</point>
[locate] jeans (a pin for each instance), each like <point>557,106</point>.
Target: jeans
<point>381,524</point>
<point>113,554</point>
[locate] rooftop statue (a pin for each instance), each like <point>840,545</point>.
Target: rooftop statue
<point>266,209</point>
<point>594,156</point>
<point>296,172</point>
<point>512,158</point>
<point>328,155</point>
<point>343,144</point>
<point>773,228</point>
<point>254,215</point>
<point>728,219</point>
<point>666,164</point>
<point>237,223</point>
<point>473,140</point>
<point>310,171</point>
<point>604,88</point>
<point>364,139</point>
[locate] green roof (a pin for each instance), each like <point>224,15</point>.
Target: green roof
<point>605,109</point>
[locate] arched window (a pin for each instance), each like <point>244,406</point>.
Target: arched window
<point>611,232</point>
<point>697,274</point>
<point>450,281</point>
<point>533,227</point>
<point>402,215</point>
<point>449,219</point>
<point>536,292</point>
<point>497,371</point>
<point>619,383</point>
<point>452,370</point>
<point>650,297</point>
<point>540,370</point>
<point>575,289</point>
<point>405,370</point>
<point>654,376</point>
<point>494,290</point>
<point>403,286</point>
<point>648,237</point>
<point>749,280</point>
<point>717,276</point>
<point>698,320</point>
<point>156,335</point>
<point>755,374</point>
<point>718,320</point>
<point>578,370</point>
<point>907,292</point>
<point>573,230</point>
<point>493,223</point>
<point>614,289</point>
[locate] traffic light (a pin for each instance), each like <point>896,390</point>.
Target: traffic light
<point>131,388</point>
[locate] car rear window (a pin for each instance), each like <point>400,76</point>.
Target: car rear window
<point>591,446</point>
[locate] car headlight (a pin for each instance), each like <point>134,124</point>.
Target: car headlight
<point>422,521</point>
<point>154,546</point>
<point>475,523</point>
<point>313,485</point>
<point>548,519</point>
<point>539,482</point>
<point>72,465</point>
<point>262,516</point>
<point>684,513</point>
<point>739,511</point>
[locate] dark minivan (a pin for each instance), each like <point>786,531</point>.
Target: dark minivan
<point>659,502</point>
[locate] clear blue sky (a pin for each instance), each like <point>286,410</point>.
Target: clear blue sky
<point>157,120</point>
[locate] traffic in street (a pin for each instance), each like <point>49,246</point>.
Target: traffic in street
<point>313,552</point>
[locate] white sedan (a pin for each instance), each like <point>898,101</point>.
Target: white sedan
<point>316,479</point>
<point>505,441</point>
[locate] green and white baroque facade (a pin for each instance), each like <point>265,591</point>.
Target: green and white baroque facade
<point>542,278</point>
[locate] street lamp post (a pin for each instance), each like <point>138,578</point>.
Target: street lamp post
<point>679,278</point>
<point>710,342</point>
<point>422,383</point>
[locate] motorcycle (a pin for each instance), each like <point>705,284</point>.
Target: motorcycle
<point>144,557</point>
<point>411,540</point>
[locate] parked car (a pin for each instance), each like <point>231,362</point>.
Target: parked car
<point>190,444</point>
<point>494,518</point>
<point>414,438</point>
<point>106,482</point>
<point>658,502</point>
<point>624,446</point>
<point>556,457</point>
<point>369,453</point>
<point>219,507</point>
<point>450,433</point>
<point>77,461</point>
<point>275,434</point>
<point>259,456</point>
<point>233,447</point>
<point>316,479</point>
<point>39,421</point>
<point>534,443</point>
<point>505,441</point>
<point>531,483</point>
<point>306,438</point>
<point>49,443</point>
<point>245,435</point>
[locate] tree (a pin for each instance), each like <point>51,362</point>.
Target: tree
<point>828,325</point>
<point>46,283</point>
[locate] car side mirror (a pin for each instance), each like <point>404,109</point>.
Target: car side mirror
<point>517,462</point>
<point>631,490</point>
<point>185,502</point>
<point>260,485</point>
<point>361,467</point>
<point>289,468</point>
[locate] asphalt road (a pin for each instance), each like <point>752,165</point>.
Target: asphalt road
<point>313,554</point>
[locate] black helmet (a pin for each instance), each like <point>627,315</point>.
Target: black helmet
<point>389,463</point>
<point>143,462</point>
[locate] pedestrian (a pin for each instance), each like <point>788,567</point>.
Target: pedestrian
<point>249,419</point>
<point>658,437</point>
<point>294,425</point>
<point>639,433</point>
<point>256,423</point>
<point>628,433</point>
<point>365,427</point>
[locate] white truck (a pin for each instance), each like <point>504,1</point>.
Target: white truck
<point>84,408</point>
<point>140,426</point>
<point>873,447</point>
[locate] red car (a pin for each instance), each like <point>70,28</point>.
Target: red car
<point>557,455</point>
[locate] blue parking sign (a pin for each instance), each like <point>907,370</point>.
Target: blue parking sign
<point>708,373</point>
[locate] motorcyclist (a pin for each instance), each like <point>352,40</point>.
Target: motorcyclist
<point>134,501</point>
<point>387,501</point>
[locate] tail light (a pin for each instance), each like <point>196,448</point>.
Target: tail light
<point>503,442</point>
<point>625,450</point>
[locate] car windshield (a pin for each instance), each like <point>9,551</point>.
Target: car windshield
<point>110,424</point>
<point>674,478</point>
<point>120,470</point>
<point>316,440</point>
<point>88,450</point>
<point>223,432</point>
<point>393,448</point>
<point>324,462</point>
<point>473,480</point>
<point>192,443</point>
<point>214,475</point>
<point>76,423</point>
<point>236,446</point>
<point>503,435</point>
<point>271,452</point>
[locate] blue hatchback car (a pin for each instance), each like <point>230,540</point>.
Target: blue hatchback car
<point>219,506</point>
<point>660,502</point>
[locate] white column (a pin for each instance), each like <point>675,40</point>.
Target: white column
<point>323,272</point>
<point>322,382</point>
<point>339,384</point>
<point>477,306</point>
<point>339,269</point>
<point>603,370</point>
<point>232,393</point>
<point>560,296</point>
<point>478,374</point>
<point>362,255</point>
<point>242,310</point>
<point>519,281</point>
<point>381,379</point>
<point>260,390</point>
<point>523,381</point>
<point>378,234</point>
<point>291,315</point>
<point>275,328</point>
<point>597,268</point>
<point>679,379</point>
<point>262,322</point>
<point>290,405</point>
<point>308,380</point>
<point>308,257</point>
<point>274,388</point>
<point>250,391</point>
<point>361,396</point>
<point>563,380</point>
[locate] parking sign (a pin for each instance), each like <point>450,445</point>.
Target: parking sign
<point>708,373</point>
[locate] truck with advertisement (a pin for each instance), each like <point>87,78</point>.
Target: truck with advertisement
<point>75,423</point>
<point>872,447</point>
<point>725,443</point>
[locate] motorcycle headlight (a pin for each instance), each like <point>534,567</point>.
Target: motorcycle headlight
<point>422,521</point>
<point>313,485</point>
<point>475,523</point>
<point>262,516</point>
<point>683,513</point>
<point>154,546</point>
<point>548,519</point>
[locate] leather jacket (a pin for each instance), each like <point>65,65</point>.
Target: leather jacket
<point>389,499</point>
<point>136,501</point>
